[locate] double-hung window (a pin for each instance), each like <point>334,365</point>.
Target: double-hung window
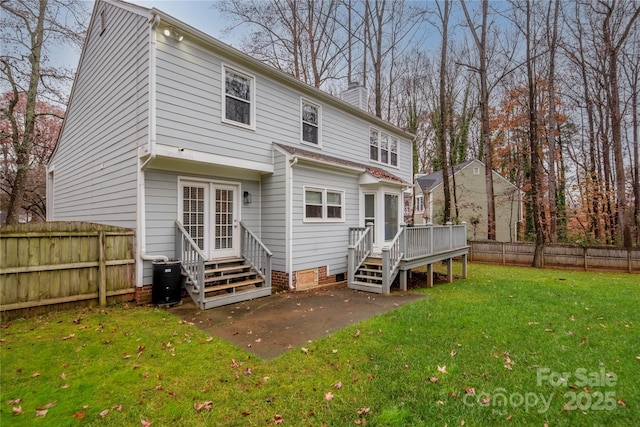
<point>383,148</point>
<point>321,204</point>
<point>310,117</point>
<point>239,98</point>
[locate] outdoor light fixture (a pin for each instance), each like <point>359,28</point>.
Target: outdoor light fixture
<point>247,198</point>
<point>171,32</point>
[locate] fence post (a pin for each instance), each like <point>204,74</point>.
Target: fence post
<point>102,269</point>
<point>450,224</point>
<point>430,231</point>
<point>628,260</point>
<point>504,255</point>
<point>585,258</point>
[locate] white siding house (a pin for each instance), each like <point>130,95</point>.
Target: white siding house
<point>169,129</point>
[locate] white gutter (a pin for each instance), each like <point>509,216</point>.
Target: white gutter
<point>289,208</point>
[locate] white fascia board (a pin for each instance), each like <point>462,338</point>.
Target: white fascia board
<point>173,152</point>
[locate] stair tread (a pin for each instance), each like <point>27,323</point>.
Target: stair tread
<point>228,268</point>
<point>232,285</point>
<point>228,276</point>
<point>371,270</point>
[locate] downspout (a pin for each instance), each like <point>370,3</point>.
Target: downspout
<point>292,163</point>
<point>151,154</point>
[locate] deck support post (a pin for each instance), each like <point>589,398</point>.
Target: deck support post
<point>403,280</point>
<point>464,266</point>
<point>450,270</point>
<point>430,275</point>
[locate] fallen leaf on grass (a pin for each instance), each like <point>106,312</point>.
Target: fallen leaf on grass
<point>126,356</point>
<point>14,401</point>
<point>68,337</point>
<point>117,408</point>
<point>79,415</point>
<point>63,376</point>
<point>442,369</point>
<point>277,419</point>
<point>104,413</point>
<point>204,405</point>
<point>364,411</point>
<point>304,350</point>
<point>35,374</point>
<point>433,379</point>
<point>470,391</point>
<point>328,396</point>
<point>146,423</point>
<point>41,412</point>
<point>16,410</point>
<point>622,403</point>
<point>338,385</point>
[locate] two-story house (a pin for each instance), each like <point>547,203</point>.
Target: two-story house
<point>219,160</point>
<point>471,192</point>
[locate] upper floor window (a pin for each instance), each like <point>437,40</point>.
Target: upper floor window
<point>419,204</point>
<point>383,148</point>
<point>310,123</point>
<point>239,96</point>
<point>321,204</point>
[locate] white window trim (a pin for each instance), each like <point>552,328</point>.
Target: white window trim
<point>319,107</point>
<point>418,210</point>
<point>324,192</point>
<point>390,138</point>
<point>223,99</point>
<point>476,170</point>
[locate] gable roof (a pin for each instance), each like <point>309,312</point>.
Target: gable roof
<point>377,173</point>
<point>432,180</point>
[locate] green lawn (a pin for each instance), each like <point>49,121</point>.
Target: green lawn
<point>507,346</point>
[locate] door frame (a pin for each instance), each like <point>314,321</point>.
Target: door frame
<point>210,186</point>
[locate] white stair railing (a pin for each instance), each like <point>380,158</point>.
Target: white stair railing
<point>256,254</point>
<point>192,259</point>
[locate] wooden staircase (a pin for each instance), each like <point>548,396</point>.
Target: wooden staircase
<point>227,281</point>
<point>368,278</point>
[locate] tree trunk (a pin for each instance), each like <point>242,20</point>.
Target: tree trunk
<point>23,149</point>
<point>553,42</point>
<point>444,112</point>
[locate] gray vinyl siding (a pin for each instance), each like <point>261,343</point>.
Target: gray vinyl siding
<point>96,159</point>
<point>316,244</point>
<point>161,210</point>
<point>274,234</point>
<point>189,109</point>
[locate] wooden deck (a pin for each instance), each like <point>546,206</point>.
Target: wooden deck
<point>411,248</point>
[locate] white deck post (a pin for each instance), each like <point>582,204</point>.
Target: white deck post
<point>430,275</point>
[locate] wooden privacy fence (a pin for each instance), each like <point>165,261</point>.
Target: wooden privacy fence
<point>563,256</point>
<point>51,263</point>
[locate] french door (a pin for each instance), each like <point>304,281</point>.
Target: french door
<point>209,213</point>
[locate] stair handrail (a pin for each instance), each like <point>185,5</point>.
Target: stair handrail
<point>256,253</point>
<point>191,257</point>
<point>359,249</point>
<point>392,255</point>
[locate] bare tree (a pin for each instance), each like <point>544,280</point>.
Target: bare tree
<point>301,37</point>
<point>480,41</point>
<point>619,20</point>
<point>28,29</point>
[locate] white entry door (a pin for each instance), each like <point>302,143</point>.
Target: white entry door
<point>210,213</point>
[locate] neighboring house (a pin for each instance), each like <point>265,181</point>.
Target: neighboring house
<point>217,159</point>
<point>471,193</point>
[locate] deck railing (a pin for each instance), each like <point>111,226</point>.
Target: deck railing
<point>360,247</point>
<point>256,254</point>
<point>192,258</point>
<point>424,240</point>
<point>392,254</point>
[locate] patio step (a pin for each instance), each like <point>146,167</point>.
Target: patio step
<point>227,281</point>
